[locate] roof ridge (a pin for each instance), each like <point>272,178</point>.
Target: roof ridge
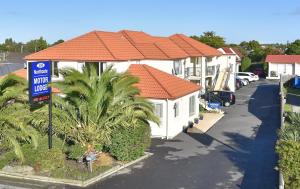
<point>123,32</point>
<point>179,35</point>
<point>161,50</point>
<point>96,33</point>
<point>145,66</point>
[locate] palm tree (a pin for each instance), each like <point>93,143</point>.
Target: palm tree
<point>14,115</point>
<point>93,106</point>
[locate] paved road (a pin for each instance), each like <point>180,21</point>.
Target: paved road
<point>238,152</point>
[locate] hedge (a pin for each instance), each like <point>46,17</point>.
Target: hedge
<point>289,162</point>
<point>130,143</point>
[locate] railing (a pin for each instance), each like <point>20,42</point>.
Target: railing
<point>210,70</point>
<point>193,71</point>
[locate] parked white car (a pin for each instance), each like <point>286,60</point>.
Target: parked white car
<point>247,76</point>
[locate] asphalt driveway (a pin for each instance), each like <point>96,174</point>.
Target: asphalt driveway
<point>238,152</point>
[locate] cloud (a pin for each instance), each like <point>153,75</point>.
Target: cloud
<point>296,12</point>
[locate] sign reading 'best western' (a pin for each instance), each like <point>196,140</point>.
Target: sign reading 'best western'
<point>39,77</point>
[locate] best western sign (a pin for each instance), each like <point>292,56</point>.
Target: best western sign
<point>39,77</point>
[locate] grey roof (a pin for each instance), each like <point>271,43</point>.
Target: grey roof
<point>12,57</point>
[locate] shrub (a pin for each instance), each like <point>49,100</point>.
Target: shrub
<point>130,143</point>
<point>51,160</point>
<point>7,158</point>
<point>76,151</point>
<point>289,162</point>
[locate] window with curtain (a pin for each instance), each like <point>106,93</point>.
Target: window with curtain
<point>159,110</point>
<point>177,67</point>
<point>192,106</point>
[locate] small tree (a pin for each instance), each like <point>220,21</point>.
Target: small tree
<point>15,115</point>
<point>246,63</point>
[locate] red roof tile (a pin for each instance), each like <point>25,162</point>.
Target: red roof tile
<point>124,45</point>
<point>228,50</point>
<point>283,58</point>
<point>157,84</point>
<point>21,73</point>
<point>193,47</point>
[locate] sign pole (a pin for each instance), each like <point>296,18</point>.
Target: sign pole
<point>39,76</point>
<point>50,123</point>
<point>50,114</point>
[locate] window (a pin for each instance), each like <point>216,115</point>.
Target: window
<point>192,105</point>
<point>176,109</point>
<point>159,110</point>
<point>55,72</point>
<point>177,67</point>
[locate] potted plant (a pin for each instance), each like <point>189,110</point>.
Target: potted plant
<point>196,120</point>
<point>190,124</point>
<point>201,116</point>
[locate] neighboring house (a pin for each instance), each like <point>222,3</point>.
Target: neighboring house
<point>282,64</point>
<point>176,100</point>
<point>177,55</point>
<point>226,66</point>
<point>11,61</point>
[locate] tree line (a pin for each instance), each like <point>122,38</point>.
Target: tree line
<point>35,45</point>
<point>252,49</point>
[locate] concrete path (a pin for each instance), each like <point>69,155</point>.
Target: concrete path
<point>209,120</point>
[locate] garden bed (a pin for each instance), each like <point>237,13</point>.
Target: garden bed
<point>86,179</point>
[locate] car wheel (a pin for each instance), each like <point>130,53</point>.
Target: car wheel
<point>226,104</point>
<point>247,82</point>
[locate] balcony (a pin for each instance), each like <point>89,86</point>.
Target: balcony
<point>193,73</point>
<point>210,71</point>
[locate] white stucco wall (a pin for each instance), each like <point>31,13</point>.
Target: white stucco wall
<point>283,68</point>
<point>174,125</point>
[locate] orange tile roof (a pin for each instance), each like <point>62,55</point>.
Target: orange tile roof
<point>124,45</point>
<point>193,47</point>
<point>21,73</point>
<point>283,58</point>
<point>157,84</point>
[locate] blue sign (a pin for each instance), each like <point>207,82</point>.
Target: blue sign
<point>39,77</point>
<point>214,105</point>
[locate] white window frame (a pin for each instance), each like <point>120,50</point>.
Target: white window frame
<point>177,70</point>
<point>159,109</point>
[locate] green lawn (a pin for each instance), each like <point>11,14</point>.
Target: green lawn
<point>287,108</point>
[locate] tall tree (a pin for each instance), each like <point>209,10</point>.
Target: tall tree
<point>210,38</point>
<point>246,63</point>
<point>36,45</point>
<point>58,42</point>
<point>293,48</point>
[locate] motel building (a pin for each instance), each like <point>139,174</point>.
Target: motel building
<point>171,69</point>
<point>283,65</point>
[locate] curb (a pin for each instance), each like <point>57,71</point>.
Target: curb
<point>281,181</point>
<point>74,182</point>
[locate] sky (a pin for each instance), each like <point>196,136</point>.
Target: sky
<point>268,21</point>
